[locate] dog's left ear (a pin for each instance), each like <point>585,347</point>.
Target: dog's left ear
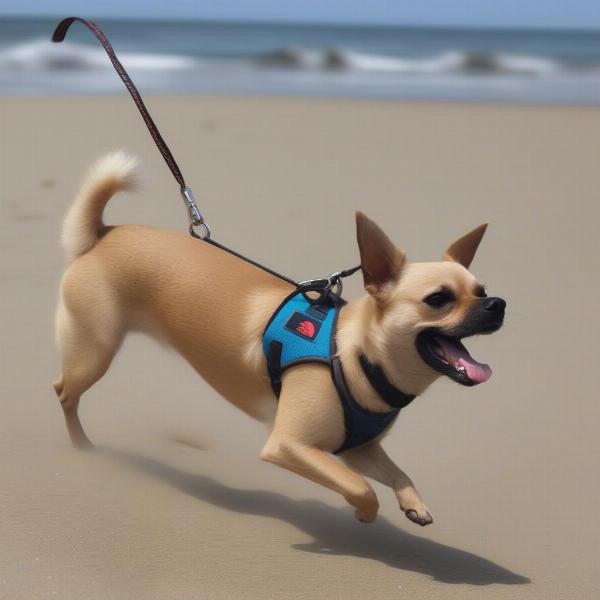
<point>463,249</point>
<point>380,259</point>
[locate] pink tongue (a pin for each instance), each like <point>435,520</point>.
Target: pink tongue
<point>477,372</point>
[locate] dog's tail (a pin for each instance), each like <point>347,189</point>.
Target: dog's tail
<point>83,223</point>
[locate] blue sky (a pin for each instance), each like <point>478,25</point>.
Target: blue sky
<point>498,13</point>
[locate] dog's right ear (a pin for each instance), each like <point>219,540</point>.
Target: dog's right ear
<point>380,260</point>
<point>463,249</point>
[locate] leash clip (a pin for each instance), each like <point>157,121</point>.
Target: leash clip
<point>325,284</point>
<point>196,218</point>
<point>335,279</point>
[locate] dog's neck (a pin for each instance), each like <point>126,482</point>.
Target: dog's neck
<point>359,333</point>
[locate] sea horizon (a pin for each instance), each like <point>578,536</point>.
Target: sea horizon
<point>340,60</point>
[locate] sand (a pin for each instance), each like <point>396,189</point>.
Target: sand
<point>176,504</point>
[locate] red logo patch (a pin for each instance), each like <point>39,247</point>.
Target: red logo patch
<point>303,326</point>
<point>306,328</point>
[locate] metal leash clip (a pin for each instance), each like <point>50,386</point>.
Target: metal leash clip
<point>196,218</point>
<point>325,284</point>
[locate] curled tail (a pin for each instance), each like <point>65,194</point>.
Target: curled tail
<point>83,223</point>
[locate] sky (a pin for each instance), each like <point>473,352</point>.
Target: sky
<point>494,13</point>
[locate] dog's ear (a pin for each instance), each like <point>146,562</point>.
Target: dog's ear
<point>380,260</point>
<point>463,249</point>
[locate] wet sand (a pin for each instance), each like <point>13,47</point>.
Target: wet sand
<point>175,503</point>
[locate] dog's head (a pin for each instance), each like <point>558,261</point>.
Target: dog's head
<point>421,312</point>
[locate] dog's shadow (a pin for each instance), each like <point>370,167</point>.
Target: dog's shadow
<point>334,531</point>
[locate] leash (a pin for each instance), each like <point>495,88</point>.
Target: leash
<point>198,227</point>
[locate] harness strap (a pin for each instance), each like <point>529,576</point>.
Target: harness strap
<point>383,386</point>
<point>362,426</point>
<point>274,366</point>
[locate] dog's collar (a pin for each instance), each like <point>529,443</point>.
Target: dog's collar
<point>389,393</point>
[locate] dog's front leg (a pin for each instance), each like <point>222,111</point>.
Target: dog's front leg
<point>309,419</point>
<point>323,468</point>
<point>373,462</point>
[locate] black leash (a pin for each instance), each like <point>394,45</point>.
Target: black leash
<point>196,218</point>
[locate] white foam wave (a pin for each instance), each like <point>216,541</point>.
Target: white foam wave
<point>344,59</point>
<point>446,62</point>
<point>46,55</point>
<point>513,63</point>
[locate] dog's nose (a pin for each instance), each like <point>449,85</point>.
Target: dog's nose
<point>494,305</point>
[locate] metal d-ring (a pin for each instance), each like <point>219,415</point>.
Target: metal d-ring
<point>338,283</point>
<point>205,235</point>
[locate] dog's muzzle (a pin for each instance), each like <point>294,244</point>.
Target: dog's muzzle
<point>443,350</point>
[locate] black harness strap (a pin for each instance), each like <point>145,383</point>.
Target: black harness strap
<point>274,366</point>
<point>362,426</point>
<point>388,392</point>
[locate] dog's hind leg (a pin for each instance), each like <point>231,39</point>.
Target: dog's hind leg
<point>87,345</point>
<point>69,404</point>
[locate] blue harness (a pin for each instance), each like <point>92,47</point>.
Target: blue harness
<point>302,330</point>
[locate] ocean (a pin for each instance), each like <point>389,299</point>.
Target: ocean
<point>407,63</point>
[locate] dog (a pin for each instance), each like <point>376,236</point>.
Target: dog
<point>212,307</point>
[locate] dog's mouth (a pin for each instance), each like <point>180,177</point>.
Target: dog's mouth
<point>448,356</point>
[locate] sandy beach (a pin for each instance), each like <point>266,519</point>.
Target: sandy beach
<point>176,503</point>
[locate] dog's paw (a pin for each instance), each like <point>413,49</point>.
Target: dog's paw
<point>366,515</point>
<point>365,503</point>
<point>420,517</point>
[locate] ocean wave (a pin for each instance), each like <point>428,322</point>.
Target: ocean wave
<point>46,55</point>
<point>446,62</point>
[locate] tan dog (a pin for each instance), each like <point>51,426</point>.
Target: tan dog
<point>192,295</point>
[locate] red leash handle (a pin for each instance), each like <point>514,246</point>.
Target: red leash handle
<point>59,35</point>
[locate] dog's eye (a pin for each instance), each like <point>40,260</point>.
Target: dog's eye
<point>439,299</point>
<point>480,292</point>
